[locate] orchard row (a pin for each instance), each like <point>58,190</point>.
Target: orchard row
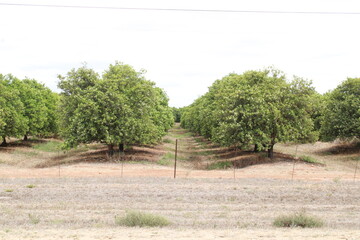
<point>262,108</point>
<point>120,107</point>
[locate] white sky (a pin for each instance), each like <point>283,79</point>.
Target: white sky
<point>183,52</point>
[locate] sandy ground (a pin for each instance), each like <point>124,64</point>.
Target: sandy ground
<point>202,208</point>
<point>80,198</point>
<point>125,233</point>
<point>279,170</point>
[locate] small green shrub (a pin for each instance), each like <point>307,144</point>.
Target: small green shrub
<point>139,219</point>
<point>9,190</point>
<point>34,219</point>
<point>298,220</point>
<point>220,165</point>
<point>309,159</point>
<point>30,186</point>
<point>337,180</point>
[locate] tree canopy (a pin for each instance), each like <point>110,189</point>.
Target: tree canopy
<point>120,108</point>
<point>39,107</point>
<point>12,119</point>
<point>26,108</point>
<point>342,113</point>
<point>257,108</point>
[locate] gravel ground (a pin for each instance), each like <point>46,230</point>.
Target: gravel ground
<point>73,203</point>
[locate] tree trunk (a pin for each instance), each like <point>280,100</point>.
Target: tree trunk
<point>256,148</point>
<point>271,151</point>
<point>110,149</point>
<point>25,137</point>
<point>121,147</point>
<point>4,143</point>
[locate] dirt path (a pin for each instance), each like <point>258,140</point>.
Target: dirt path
<point>195,155</point>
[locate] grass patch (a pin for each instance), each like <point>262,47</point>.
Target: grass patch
<point>220,165</point>
<point>168,155</point>
<point>8,190</point>
<point>164,162</point>
<point>180,135</point>
<point>167,140</point>
<point>309,159</point>
<point>26,153</point>
<point>167,159</point>
<point>139,219</point>
<point>30,186</point>
<point>137,162</point>
<point>203,153</point>
<point>202,143</point>
<point>300,219</point>
<point>50,146</point>
<point>79,149</point>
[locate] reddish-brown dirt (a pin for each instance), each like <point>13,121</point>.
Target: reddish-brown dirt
<point>338,161</point>
<point>280,170</point>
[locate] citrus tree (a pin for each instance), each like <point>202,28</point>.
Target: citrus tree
<point>39,107</point>
<point>342,113</point>
<point>257,108</point>
<point>12,120</point>
<point>120,108</point>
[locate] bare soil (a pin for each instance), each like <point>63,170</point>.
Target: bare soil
<point>76,195</point>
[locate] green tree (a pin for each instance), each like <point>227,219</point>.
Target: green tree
<point>51,126</point>
<point>39,107</point>
<point>77,106</point>
<point>318,105</point>
<point>257,108</point>
<point>121,108</point>
<point>177,114</point>
<point>342,114</point>
<point>12,120</point>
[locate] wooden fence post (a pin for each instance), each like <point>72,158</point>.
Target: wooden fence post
<point>176,147</point>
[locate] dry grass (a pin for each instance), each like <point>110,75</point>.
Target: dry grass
<point>197,202</point>
<point>334,155</point>
<point>66,203</point>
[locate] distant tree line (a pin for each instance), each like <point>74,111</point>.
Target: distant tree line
<point>262,108</point>
<point>120,107</point>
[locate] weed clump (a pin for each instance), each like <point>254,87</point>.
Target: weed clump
<point>220,165</point>
<point>167,140</point>
<point>139,219</point>
<point>309,159</point>
<point>300,219</point>
<point>33,219</point>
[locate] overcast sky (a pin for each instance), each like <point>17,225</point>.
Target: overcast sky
<point>183,52</point>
